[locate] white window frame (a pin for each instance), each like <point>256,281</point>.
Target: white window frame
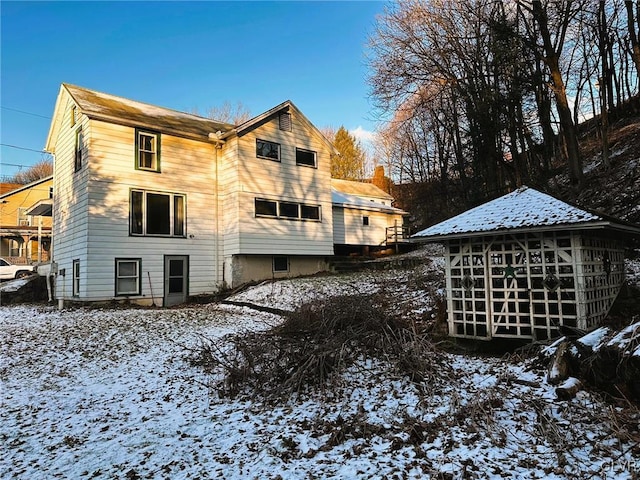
<point>305,150</point>
<point>138,263</point>
<point>173,230</point>
<point>75,278</point>
<point>155,150</point>
<point>279,215</point>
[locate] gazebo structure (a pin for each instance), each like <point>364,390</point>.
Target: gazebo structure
<point>527,263</point>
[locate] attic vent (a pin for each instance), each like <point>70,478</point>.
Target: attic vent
<point>285,121</point>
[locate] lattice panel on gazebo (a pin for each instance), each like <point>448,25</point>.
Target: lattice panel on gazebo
<point>602,263</point>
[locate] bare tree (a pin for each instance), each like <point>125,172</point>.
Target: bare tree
<point>41,169</point>
<point>227,113</point>
<point>633,27</point>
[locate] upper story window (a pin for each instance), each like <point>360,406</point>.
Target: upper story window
<point>79,150</point>
<point>365,221</point>
<point>154,213</point>
<point>305,157</point>
<point>266,149</point>
<point>73,116</point>
<point>147,150</point>
<point>284,121</point>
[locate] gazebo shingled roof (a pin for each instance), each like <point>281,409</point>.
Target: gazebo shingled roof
<point>524,209</point>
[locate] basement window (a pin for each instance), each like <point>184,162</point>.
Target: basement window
<point>280,264</point>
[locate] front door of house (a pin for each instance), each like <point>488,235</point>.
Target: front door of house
<point>176,279</point>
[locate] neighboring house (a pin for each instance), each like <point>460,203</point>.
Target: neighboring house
<point>25,238</point>
<point>364,218</point>
<point>155,205</point>
<point>526,264</point>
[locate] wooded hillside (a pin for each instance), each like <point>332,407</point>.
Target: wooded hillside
<point>479,97</point>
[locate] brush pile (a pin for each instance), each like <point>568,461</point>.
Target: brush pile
<point>316,343</point>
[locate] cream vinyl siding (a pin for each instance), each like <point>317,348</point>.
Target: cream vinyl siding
<point>349,230</point>
<point>284,181</point>
<point>228,197</point>
<point>187,168</point>
<point>70,217</point>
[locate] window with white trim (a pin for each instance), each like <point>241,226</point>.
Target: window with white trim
<point>157,213</point>
<point>306,158</point>
<point>147,150</point>
<point>268,150</point>
<point>128,276</point>
<point>287,210</point>
<point>75,284</point>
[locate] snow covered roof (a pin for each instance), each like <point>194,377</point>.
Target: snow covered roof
<point>110,107</point>
<point>523,209</point>
<point>361,189</point>
<point>346,200</point>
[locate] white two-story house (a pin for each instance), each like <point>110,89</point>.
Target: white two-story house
<point>154,205</point>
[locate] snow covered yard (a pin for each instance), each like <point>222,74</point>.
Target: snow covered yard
<point>109,393</point>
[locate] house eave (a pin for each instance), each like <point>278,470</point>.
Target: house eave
<point>136,124</point>
<point>372,208</point>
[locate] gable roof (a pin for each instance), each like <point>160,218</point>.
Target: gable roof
<point>122,111</point>
<point>119,110</point>
<point>27,186</point>
<point>359,188</point>
<point>524,209</point>
<point>258,120</point>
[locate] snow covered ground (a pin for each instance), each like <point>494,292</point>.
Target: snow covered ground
<point>109,393</point>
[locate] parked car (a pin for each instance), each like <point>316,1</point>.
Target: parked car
<point>9,270</point>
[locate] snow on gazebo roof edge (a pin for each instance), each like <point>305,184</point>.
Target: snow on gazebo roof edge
<point>523,210</point>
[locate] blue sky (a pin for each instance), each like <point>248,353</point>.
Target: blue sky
<point>183,55</point>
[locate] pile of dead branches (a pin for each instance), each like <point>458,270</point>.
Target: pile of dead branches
<point>315,344</point>
<point>606,358</point>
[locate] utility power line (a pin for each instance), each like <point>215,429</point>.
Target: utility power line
<point>22,148</point>
<point>26,113</point>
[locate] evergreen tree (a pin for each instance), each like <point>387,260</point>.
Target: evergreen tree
<point>349,163</point>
